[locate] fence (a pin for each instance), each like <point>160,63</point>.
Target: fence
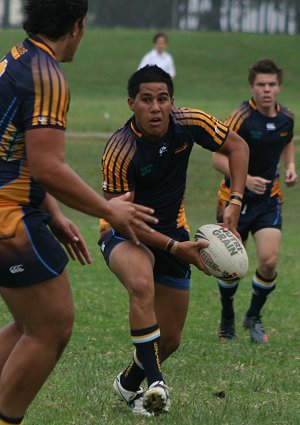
<point>265,16</point>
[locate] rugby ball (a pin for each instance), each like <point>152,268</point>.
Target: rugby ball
<point>225,257</point>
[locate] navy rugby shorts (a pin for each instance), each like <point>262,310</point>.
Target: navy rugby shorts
<point>258,215</point>
<point>169,270</point>
<point>29,253</point>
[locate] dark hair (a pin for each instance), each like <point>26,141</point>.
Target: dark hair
<point>264,66</point>
<point>158,35</point>
<point>149,74</point>
<point>53,18</point>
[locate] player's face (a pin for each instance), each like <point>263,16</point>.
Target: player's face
<point>160,44</point>
<point>74,39</point>
<point>265,90</point>
<point>152,106</point>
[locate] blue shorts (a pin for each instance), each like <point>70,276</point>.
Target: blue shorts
<point>169,270</point>
<point>258,215</point>
<point>29,253</point>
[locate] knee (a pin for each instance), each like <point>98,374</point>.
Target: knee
<point>142,290</point>
<point>64,330</point>
<point>268,266</point>
<point>56,333</point>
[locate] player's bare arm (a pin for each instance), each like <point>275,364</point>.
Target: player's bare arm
<point>288,159</point>
<point>45,153</point>
<point>232,160</point>
<point>66,232</point>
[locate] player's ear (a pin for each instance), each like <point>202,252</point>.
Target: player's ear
<point>130,103</point>
<point>77,27</point>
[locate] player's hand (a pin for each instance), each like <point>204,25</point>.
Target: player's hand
<point>290,178</point>
<point>257,185</point>
<point>189,252</point>
<point>69,235</point>
<point>231,216</point>
<point>125,216</point>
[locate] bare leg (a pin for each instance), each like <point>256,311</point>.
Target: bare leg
<point>9,336</point>
<point>46,313</point>
<point>171,306</point>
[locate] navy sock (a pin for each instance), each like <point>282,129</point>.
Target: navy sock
<point>132,376</point>
<point>146,342</point>
<point>227,292</point>
<point>261,288</point>
<point>10,421</point>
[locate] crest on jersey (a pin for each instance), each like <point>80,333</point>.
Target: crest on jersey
<point>163,150</point>
<point>3,66</point>
<point>271,126</point>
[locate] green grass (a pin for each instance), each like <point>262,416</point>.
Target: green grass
<point>260,383</point>
<point>211,71</point>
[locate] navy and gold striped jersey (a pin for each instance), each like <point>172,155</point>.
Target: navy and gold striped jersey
<point>266,138</point>
<point>33,94</point>
<point>156,171</point>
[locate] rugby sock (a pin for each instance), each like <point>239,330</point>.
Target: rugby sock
<point>5,420</point>
<point>133,375</point>
<point>261,288</point>
<point>227,291</point>
<point>146,342</point>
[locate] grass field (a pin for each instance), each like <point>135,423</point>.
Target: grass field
<point>260,384</point>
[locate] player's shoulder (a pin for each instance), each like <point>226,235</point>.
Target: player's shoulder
<point>286,112</point>
<point>239,115</point>
<point>244,109</point>
<point>124,140</point>
<point>187,116</point>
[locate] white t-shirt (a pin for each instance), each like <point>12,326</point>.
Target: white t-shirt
<point>164,61</point>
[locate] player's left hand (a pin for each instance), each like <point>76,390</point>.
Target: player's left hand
<point>69,235</point>
<point>290,178</point>
<point>231,216</point>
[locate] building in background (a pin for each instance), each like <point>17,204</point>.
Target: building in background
<point>11,13</point>
<point>254,16</point>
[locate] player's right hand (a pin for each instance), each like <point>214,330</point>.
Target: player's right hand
<point>125,216</point>
<point>257,185</point>
<point>189,252</point>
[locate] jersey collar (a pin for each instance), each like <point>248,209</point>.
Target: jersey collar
<point>134,129</point>
<point>253,105</point>
<point>42,45</point>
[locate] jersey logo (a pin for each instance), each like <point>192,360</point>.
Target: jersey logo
<point>3,66</point>
<point>19,268</point>
<point>42,120</point>
<point>147,169</point>
<point>271,126</point>
<point>284,133</point>
<point>181,148</point>
<point>163,150</point>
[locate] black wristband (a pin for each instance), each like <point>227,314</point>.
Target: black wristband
<point>170,245</point>
<point>236,197</point>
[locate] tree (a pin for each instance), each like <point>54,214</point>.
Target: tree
<point>296,5</point>
<point>5,21</point>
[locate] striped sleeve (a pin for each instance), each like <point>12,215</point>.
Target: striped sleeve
<point>117,164</point>
<point>48,101</point>
<point>207,130</point>
<point>236,119</point>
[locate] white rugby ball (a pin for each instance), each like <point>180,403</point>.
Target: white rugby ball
<point>225,257</point>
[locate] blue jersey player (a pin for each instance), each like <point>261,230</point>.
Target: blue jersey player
<point>148,158</point>
<point>34,99</point>
<point>267,127</point>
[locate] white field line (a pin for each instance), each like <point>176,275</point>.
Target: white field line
<point>106,135</point>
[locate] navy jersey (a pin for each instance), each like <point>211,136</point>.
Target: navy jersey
<point>266,138</point>
<point>33,94</point>
<point>156,171</point>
